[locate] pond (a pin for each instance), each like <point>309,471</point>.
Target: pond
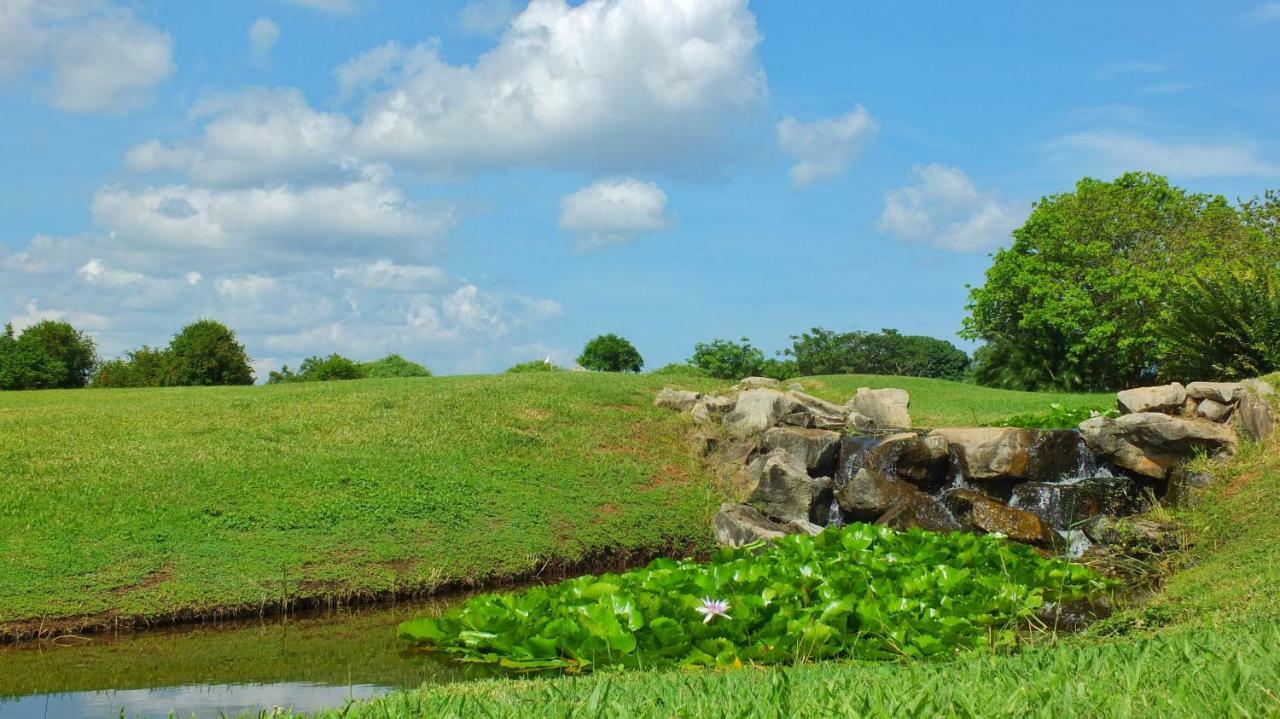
<point>305,662</point>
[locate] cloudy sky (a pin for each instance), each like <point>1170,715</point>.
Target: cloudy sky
<point>476,183</point>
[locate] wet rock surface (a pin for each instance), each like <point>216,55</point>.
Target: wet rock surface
<point>985,453</point>
<point>981,512</point>
<point>813,449</point>
<point>1066,505</point>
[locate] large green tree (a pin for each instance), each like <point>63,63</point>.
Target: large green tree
<point>25,365</point>
<point>206,352</point>
<point>1076,301</point>
<point>611,353</point>
<point>888,352</point>
<point>65,344</point>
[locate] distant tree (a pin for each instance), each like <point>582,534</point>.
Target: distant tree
<point>1076,302</point>
<point>778,369</point>
<point>611,353</point>
<point>725,359</point>
<point>25,365</point>
<point>320,369</point>
<point>888,352</point>
<point>143,367</point>
<point>394,366</point>
<point>69,346</point>
<point>206,352</point>
<point>542,365</point>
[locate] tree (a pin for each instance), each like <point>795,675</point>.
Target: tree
<point>1076,301</point>
<point>888,352</point>
<point>143,367</point>
<point>394,366</point>
<point>610,353</point>
<point>67,345</point>
<point>320,369</point>
<point>25,365</point>
<point>725,359</point>
<point>1224,326</point>
<point>206,352</point>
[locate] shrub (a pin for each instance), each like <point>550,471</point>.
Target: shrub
<point>888,352</point>
<point>611,353</point>
<point>838,594</point>
<point>534,366</point>
<point>1223,326</point>
<point>66,345</point>
<point>319,369</point>
<point>143,367</point>
<point>725,359</point>
<point>1056,417</point>
<point>206,352</point>
<point>394,366</point>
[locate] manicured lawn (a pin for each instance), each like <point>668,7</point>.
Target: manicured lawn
<point>939,403</point>
<point>154,502</point>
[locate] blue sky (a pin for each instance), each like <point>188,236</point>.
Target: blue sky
<point>473,184</point>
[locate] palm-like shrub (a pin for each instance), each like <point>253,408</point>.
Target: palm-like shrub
<point>1223,326</point>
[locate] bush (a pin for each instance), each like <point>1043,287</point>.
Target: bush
<point>1056,417</point>
<point>319,369</point>
<point>25,365</point>
<point>206,353</point>
<point>724,359</point>
<point>143,367</point>
<point>611,353</point>
<point>888,352</point>
<point>1223,326</point>
<point>534,366</point>
<point>394,366</point>
<point>66,345</point>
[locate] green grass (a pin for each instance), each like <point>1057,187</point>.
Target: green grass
<point>164,502</point>
<point>939,403</point>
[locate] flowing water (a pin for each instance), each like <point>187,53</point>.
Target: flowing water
<point>302,662</point>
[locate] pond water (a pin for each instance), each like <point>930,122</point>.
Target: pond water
<point>304,662</point>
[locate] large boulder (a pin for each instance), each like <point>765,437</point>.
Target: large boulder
<point>918,510</point>
<point>786,492</point>
<point>1166,398</point>
<point>755,411</point>
<point>1258,387</point>
<point>1257,418</point>
<point>739,524</point>
<point>677,399</point>
<point>922,461</point>
<point>710,407</point>
<point>987,453</point>
<point>1221,392</point>
<point>813,449</point>
<point>886,408</point>
<point>871,496</point>
<point>989,515</point>
<point>1151,443</point>
<point>1064,505</point>
<point>813,412</point>
<point>759,383</point>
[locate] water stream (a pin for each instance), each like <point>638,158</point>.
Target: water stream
<point>302,662</point>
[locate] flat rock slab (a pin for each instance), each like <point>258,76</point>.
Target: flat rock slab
<point>739,524</point>
<point>1223,392</point>
<point>1166,398</point>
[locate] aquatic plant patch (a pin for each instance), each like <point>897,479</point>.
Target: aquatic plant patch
<point>1058,416</point>
<point>861,591</point>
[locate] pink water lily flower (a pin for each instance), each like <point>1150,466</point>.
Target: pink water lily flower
<point>713,608</point>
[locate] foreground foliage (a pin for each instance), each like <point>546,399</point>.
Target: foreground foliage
<point>861,591</point>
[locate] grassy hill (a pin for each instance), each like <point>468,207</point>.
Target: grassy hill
<point>194,502</point>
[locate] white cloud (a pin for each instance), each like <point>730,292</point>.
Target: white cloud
<point>387,275</point>
<point>257,136</point>
<point>193,278</point>
<point>264,33</point>
<point>271,225</point>
<point>336,7</point>
<point>606,84</point>
<point>825,148</point>
<point>1116,152</point>
<point>613,212</point>
<point>944,209</point>
<point>97,56</point>
<point>487,17</point>
<point>1264,13</point>
<point>31,314</point>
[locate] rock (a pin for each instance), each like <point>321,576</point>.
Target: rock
<point>813,449</point>
<point>759,383</point>
<point>1258,387</point>
<point>988,453</point>
<point>709,407</point>
<point>795,386</point>
<point>1257,419</point>
<point>739,452</point>
<point>677,399</point>
<point>1213,410</point>
<point>1064,505</point>
<point>704,443</point>
<point>739,524</point>
<point>922,461</point>
<point>869,494</point>
<point>800,526</point>
<point>918,510</point>
<point>785,491</point>
<point>821,413</point>
<point>859,422</point>
<point>1167,398</point>
<point>1134,535</point>
<point>1221,392</point>
<point>1151,443</point>
<point>887,408</point>
<point>984,513</point>
<point>755,411</point>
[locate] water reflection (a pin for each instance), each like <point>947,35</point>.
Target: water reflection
<point>202,700</point>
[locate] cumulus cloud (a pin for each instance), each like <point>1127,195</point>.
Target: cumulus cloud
<point>825,148</point>
<point>614,212</point>
<point>1115,152</point>
<point>487,17</point>
<point>259,136</point>
<point>943,208</point>
<point>606,84</point>
<point>97,56</point>
<point>264,33</point>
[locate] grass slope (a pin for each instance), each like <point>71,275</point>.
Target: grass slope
<point>155,502</point>
<point>1204,645</point>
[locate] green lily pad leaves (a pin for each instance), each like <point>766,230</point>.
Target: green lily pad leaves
<point>860,591</point>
